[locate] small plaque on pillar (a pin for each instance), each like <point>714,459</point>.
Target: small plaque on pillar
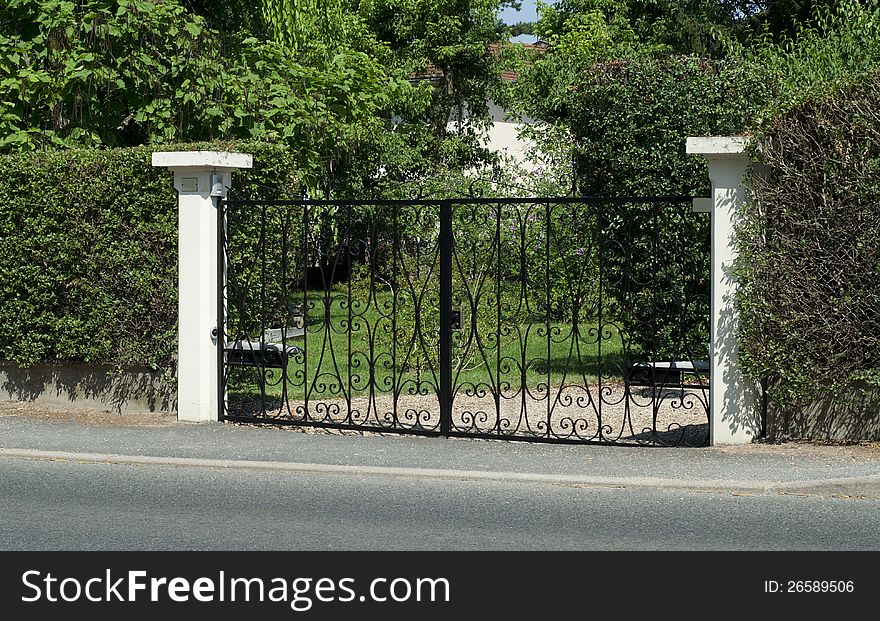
<point>189,184</point>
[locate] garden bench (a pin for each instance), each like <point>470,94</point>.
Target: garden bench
<point>259,354</point>
<point>669,374</point>
<point>269,352</point>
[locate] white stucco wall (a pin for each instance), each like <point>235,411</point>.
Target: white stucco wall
<point>504,138</point>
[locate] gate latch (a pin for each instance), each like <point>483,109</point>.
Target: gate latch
<point>455,320</point>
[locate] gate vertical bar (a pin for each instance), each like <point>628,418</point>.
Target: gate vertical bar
<point>221,307</point>
<point>445,396</point>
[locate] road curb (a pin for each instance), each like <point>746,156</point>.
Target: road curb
<point>854,486</point>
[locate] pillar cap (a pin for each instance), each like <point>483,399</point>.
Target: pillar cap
<point>207,160</point>
<point>718,146</point>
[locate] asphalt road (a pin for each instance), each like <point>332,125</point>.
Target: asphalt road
<point>63,505</point>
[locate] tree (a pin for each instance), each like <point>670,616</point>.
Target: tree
<point>519,28</point>
<point>235,20</point>
<point>782,18</point>
<point>653,27</point>
<point>447,43</point>
<point>91,73</point>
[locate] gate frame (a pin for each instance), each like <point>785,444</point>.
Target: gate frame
<point>201,178</point>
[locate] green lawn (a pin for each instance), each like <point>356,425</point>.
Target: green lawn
<point>349,350</point>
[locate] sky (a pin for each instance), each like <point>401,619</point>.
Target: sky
<point>526,14</point>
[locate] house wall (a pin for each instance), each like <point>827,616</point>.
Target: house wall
<point>504,138</point>
<point>503,135</point>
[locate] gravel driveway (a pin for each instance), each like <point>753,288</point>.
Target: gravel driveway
<point>677,415</point>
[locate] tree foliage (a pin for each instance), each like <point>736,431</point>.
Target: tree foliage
<point>92,73</point>
<point>448,45</point>
<point>838,45</point>
<point>615,29</point>
<point>519,28</point>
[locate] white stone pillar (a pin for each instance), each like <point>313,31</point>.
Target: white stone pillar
<point>200,178</point>
<point>734,400</point>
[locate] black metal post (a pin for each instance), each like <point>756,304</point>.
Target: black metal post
<point>445,317</point>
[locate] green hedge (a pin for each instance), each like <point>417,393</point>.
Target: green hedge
<point>629,121</point>
<point>88,252</point>
<point>810,294</point>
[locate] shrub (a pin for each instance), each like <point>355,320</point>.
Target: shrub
<point>810,296</point>
<point>88,252</point>
<point>629,121</point>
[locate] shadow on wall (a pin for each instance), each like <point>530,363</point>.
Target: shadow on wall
<point>856,416</point>
<point>741,401</point>
<point>88,386</point>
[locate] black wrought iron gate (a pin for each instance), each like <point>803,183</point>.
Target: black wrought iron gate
<point>544,319</point>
